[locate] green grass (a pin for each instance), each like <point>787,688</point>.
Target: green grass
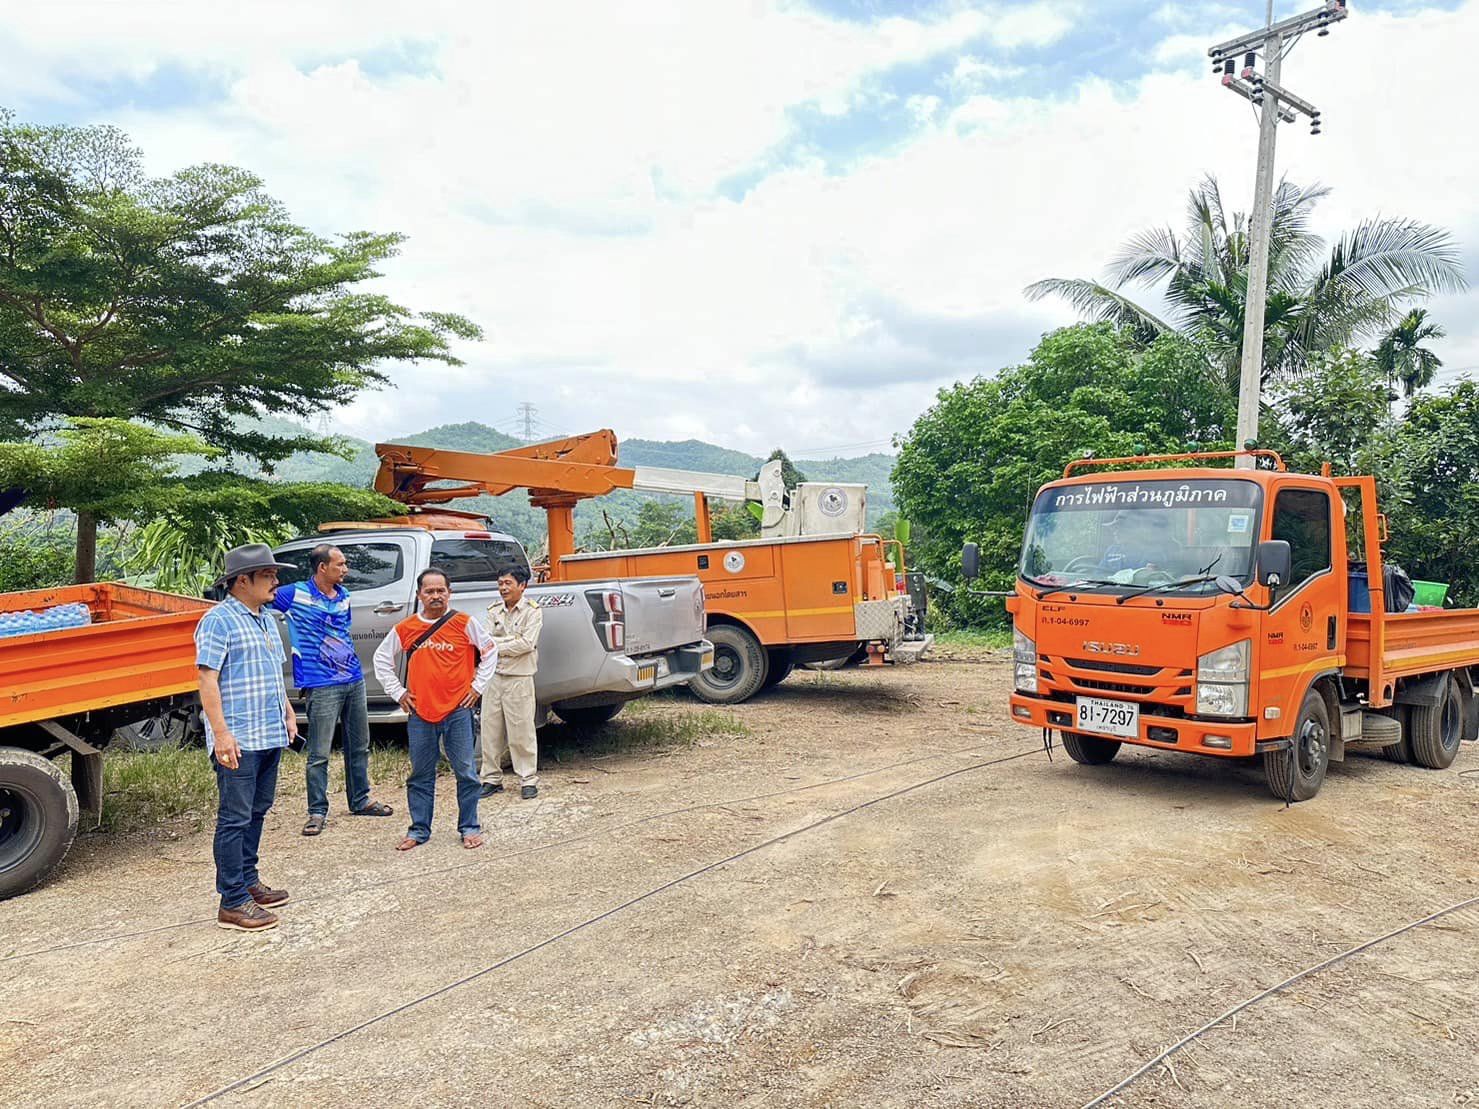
<point>147,790</point>
<point>975,637</point>
<point>177,785</point>
<point>645,725</point>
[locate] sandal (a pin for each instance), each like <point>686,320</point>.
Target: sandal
<point>472,842</point>
<point>315,824</point>
<point>374,808</point>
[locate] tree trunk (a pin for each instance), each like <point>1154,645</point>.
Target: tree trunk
<point>87,548</point>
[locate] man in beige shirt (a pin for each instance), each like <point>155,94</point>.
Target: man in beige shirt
<point>508,701</point>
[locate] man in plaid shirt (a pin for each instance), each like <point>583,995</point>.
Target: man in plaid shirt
<point>248,721</point>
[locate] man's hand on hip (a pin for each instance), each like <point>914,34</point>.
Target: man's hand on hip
<point>472,698</point>
<point>408,702</point>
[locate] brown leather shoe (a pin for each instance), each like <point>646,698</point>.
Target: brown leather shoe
<point>246,917</point>
<point>268,897</point>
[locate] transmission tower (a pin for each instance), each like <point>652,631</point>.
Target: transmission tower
<point>528,413</point>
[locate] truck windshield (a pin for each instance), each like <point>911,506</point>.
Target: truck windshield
<point>1143,532</point>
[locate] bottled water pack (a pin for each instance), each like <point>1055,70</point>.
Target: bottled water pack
<point>26,622</point>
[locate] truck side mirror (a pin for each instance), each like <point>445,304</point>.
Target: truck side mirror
<point>1275,563</point>
<point>970,562</point>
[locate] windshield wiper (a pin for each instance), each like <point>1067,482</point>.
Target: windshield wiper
<point>1050,590</point>
<point>1163,585</point>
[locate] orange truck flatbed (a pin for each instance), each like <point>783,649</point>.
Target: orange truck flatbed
<point>139,647</point>
<point>65,692</point>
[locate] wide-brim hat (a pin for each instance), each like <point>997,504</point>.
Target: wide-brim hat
<point>248,559</point>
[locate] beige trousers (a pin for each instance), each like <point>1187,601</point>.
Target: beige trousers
<point>508,729</point>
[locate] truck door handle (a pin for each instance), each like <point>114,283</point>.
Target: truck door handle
<point>1331,629</point>
<point>666,593</point>
<point>385,608</point>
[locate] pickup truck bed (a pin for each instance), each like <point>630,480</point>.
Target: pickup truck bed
<point>139,647</point>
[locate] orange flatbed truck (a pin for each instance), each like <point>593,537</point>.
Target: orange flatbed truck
<point>814,588</point>
<point>65,692</point>
<point>1223,612</point>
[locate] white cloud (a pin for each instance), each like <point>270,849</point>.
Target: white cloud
<point>558,168</point>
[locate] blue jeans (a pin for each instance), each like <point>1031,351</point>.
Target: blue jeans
<point>328,707</point>
<point>454,733</point>
<point>246,795</point>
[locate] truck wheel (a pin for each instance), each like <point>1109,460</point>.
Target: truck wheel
<point>1090,750</point>
<point>739,670</point>
<point>1298,777</point>
<point>38,819</point>
<point>1436,732</point>
<point>780,667</point>
<point>591,717</point>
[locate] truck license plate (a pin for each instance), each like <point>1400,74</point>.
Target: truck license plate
<point>1120,718</point>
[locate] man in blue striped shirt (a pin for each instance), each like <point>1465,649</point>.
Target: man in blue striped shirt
<point>328,671</point>
<point>248,721</point>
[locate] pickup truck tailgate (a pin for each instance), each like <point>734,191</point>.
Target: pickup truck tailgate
<point>662,613</point>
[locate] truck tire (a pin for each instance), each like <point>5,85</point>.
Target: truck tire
<point>1435,733</point>
<point>1090,750</point>
<point>780,667</point>
<point>739,670</point>
<point>591,717</point>
<point>38,819</point>
<point>1401,751</point>
<point>1298,777</point>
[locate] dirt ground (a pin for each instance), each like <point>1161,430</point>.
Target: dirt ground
<point>1018,934</point>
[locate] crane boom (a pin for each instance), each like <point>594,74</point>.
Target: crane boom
<point>558,475</point>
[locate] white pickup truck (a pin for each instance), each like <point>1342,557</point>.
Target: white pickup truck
<point>603,642</point>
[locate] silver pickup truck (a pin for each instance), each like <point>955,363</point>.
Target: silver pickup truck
<point>603,642</point>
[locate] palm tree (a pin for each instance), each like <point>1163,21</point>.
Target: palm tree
<point>1315,300</point>
<point>1400,356</point>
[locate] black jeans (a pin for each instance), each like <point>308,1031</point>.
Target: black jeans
<point>246,794</point>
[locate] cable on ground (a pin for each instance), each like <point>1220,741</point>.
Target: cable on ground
<point>500,857</point>
<point>1238,1008</point>
<point>303,1052</point>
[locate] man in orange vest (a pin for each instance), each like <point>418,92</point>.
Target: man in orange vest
<point>444,678</point>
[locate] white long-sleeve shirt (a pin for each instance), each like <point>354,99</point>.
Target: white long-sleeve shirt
<point>390,654</point>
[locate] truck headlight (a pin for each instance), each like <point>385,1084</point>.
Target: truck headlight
<point>1222,681</point>
<point>1024,658</point>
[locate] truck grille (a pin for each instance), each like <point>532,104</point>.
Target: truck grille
<point>1163,690</point>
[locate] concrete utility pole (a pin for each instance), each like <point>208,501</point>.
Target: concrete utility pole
<point>1278,105</point>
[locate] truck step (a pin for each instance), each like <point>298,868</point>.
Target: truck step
<point>910,650</point>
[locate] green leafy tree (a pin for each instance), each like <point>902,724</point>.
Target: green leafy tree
<point>1316,300</point>
<point>969,467</point>
<point>1430,475</point>
<point>1333,412</point>
<point>1402,357</point>
<point>189,302</point>
<point>105,470</point>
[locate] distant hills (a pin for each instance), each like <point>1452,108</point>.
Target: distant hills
<point>513,513</point>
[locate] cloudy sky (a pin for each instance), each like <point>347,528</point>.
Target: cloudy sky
<point>757,222</point>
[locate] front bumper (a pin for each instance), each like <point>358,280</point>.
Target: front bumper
<point>1169,733</point>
